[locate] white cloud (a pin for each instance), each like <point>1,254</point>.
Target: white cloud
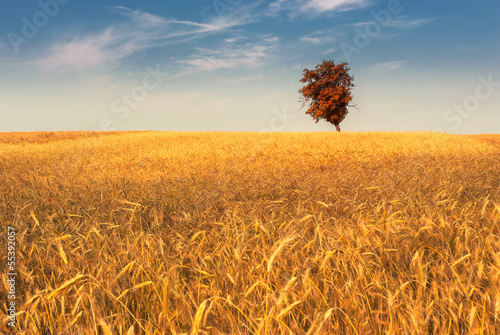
<point>277,6</point>
<point>153,21</point>
<point>228,58</point>
<point>230,13</point>
<point>331,5</point>
<point>233,55</point>
<point>315,7</point>
<point>91,51</point>
<point>320,37</point>
<point>314,40</point>
<point>141,31</point>
<point>388,66</point>
<point>232,39</point>
<point>272,39</point>
<point>138,16</point>
<point>329,51</point>
<point>400,23</point>
<point>211,63</point>
<point>409,23</point>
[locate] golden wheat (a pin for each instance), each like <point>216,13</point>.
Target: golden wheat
<point>258,233</point>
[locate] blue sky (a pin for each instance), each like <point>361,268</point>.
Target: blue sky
<point>236,64</point>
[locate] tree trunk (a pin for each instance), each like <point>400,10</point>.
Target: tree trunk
<point>337,127</point>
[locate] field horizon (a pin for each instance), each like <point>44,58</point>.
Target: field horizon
<point>149,232</point>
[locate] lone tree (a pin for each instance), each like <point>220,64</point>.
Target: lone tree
<point>327,92</point>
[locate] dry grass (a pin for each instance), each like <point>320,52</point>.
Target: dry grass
<point>254,233</point>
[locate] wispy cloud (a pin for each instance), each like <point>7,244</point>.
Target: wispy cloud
<point>232,39</point>
<point>405,23</point>
<point>331,5</point>
<point>232,13</point>
<point>183,26</point>
<point>319,37</point>
<point>409,23</point>
<point>314,7</point>
<point>253,56</point>
<point>388,66</point>
<point>92,51</point>
<point>329,51</point>
<point>141,31</point>
<point>271,40</point>
<point>138,16</point>
<point>233,55</point>
<point>314,40</point>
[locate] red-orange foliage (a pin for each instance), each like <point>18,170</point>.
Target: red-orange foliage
<point>328,91</point>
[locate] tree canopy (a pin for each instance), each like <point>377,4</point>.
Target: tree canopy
<point>327,91</point>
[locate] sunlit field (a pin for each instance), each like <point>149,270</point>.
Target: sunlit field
<point>252,233</point>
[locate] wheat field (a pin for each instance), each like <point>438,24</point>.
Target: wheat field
<point>252,233</point>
